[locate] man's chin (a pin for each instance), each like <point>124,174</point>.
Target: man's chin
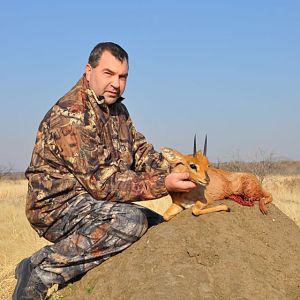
<point>110,100</point>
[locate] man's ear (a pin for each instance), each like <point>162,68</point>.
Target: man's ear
<point>88,69</point>
<point>172,156</point>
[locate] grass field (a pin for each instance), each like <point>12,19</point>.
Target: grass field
<point>19,240</point>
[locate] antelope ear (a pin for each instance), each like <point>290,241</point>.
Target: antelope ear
<point>172,156</point>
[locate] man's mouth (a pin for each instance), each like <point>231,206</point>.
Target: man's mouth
<point>114,94</point>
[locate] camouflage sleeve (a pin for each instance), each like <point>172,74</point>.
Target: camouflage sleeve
<point>91,163</point>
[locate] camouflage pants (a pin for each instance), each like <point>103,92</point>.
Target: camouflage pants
<point>86,234</point>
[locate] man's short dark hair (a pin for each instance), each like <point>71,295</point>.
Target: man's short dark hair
<point>116,50</point>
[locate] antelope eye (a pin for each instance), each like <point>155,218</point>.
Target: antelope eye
<point>193,166</point>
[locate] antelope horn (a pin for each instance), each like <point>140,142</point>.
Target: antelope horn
<point>205,146</point>
<point>195,147</point>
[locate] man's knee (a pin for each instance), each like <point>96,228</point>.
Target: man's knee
<point>131,220</point>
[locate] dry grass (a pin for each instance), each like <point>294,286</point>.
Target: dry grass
<point>19,240</point>
<point>286,194</point>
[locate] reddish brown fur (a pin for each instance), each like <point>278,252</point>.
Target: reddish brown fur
<point>212,184</point>
<point>223,184</point>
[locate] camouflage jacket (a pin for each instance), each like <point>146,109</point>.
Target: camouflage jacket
<point>85,146</point>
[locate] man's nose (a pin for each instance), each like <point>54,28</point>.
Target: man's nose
<point>116,82</point>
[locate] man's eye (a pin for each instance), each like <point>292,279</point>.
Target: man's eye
<point>193,166</point>
<point>108,73</point>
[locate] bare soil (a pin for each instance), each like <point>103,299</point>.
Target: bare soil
<point>240,254</point>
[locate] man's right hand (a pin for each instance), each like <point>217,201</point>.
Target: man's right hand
<point>178,182</point>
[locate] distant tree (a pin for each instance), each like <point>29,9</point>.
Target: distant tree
<point>5,171</point>
<point>263,164</point>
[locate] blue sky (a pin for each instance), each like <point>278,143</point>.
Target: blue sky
<point>230,69</point>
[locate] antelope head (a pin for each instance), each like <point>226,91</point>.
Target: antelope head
<point>196,164</point>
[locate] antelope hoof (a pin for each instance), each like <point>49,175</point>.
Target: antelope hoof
<point>195,211</point>
<point>167,217</point>
<point>264,211</point>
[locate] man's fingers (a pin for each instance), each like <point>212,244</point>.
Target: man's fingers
<point>186,186</point>
<point>178,182</point>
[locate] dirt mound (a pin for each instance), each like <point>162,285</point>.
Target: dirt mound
<point>236,255</point>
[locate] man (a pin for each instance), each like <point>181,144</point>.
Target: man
<point>88,164</point>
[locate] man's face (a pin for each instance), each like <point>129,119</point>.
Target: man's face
<point>108,79</point>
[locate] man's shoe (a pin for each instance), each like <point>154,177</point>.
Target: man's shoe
<point>22,274</point>
<point>29,286</point>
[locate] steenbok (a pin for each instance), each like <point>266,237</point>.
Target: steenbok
<point>212,184</point>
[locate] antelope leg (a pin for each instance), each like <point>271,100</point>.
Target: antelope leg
<point>173,210</point>
<point>199,210</point>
